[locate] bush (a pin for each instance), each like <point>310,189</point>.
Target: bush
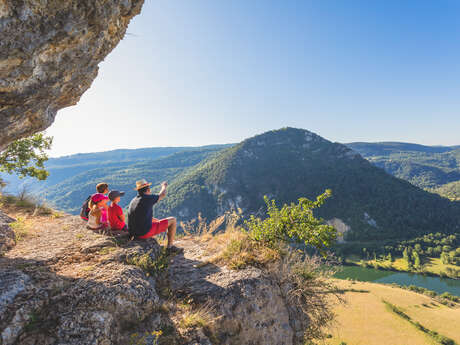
<point>293,223</point>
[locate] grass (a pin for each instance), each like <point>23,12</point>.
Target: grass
<point>199,318</point>
<point>107,250</point>
<point>242,252</point>
<point>88,268</point>
<point>24,203</point>
<point>150,338</point>
<point>21,229</point>
<point>364,319</point>
<point>149,265</point>
<point>441,339</point>
<point>235,249</point>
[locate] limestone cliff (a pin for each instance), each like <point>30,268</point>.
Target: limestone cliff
<point>64,284</point>
<point>49,56</point>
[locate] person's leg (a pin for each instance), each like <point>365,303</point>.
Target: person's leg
<point>172,226</point>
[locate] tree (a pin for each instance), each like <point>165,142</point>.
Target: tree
<point>26,157</point>
<point>390,257</point>
<point>416,257</point>
<point>407,256</point>
<point>293,223</point>
<point>445,258</point>
<point>418,248</point>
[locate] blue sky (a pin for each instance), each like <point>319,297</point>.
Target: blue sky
<point>205,71</point>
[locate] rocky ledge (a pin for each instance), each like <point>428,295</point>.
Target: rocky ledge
<point>49,56</point>
<point>64,284</point>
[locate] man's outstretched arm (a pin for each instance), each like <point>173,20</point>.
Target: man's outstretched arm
<point>162,194</point>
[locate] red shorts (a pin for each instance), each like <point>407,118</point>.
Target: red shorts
<point>158,226</point>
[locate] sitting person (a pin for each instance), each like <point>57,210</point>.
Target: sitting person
<point>116,216</point>
<point>141,223</point>
<point>97,219</point>
<point>102,188</point>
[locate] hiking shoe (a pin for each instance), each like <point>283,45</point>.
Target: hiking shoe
<point>174,250</point>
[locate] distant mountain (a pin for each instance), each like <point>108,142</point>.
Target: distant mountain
<point>73,178</point>
<point>428,167</point>
<point>290,163</point>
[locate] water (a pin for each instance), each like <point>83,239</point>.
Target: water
<point>366,274</point>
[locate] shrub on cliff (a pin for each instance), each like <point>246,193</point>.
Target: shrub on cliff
<point>293,223</point>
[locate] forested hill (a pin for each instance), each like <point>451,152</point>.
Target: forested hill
<point>436,168</point>
<point>290,163</point>
<point>73,178</point>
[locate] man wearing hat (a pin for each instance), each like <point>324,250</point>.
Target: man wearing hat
<point>141,223</point>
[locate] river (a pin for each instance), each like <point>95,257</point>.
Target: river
<point>366,274</point>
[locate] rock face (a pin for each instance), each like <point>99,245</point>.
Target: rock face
<point>7,238</point>
<point>250,306</point>
<point>68,285</point>
<point>49,56</point>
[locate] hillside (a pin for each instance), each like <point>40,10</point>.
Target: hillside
<point>449,190</point>
<point>427,167</point>
<point>290,163</point>
<point>73,178</point>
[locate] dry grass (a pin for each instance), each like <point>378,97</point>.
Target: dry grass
<point>198,318</point>
<point>228,244</point>
<point>21,229</point>
<point>364,319</point>
<point>25,204</point>
<point>241,252</point>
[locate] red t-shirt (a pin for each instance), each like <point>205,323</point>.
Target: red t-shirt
<point>114,212</point>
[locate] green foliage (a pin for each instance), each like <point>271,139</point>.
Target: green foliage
<point>293,223</point>
<point>26,157</point>
<point>432,245</point>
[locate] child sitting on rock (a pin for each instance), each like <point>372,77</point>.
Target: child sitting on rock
<point>116,216</point>
<point>97,219</point>
<point>102,188</point>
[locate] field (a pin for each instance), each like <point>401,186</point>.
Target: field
<point>365,318</point>
<point>429,265</point>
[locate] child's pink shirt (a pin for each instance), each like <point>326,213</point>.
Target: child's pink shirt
<point>104,216</point>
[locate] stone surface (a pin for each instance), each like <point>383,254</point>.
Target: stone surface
<point>7,237</point>
<point>249,305</point>
<point>68,285</point>
<point>49,56</point>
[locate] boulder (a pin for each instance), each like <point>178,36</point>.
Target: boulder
<point>49,56</point>
<point>250,306</point>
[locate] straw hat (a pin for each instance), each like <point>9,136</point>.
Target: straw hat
<point>141,184</point>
